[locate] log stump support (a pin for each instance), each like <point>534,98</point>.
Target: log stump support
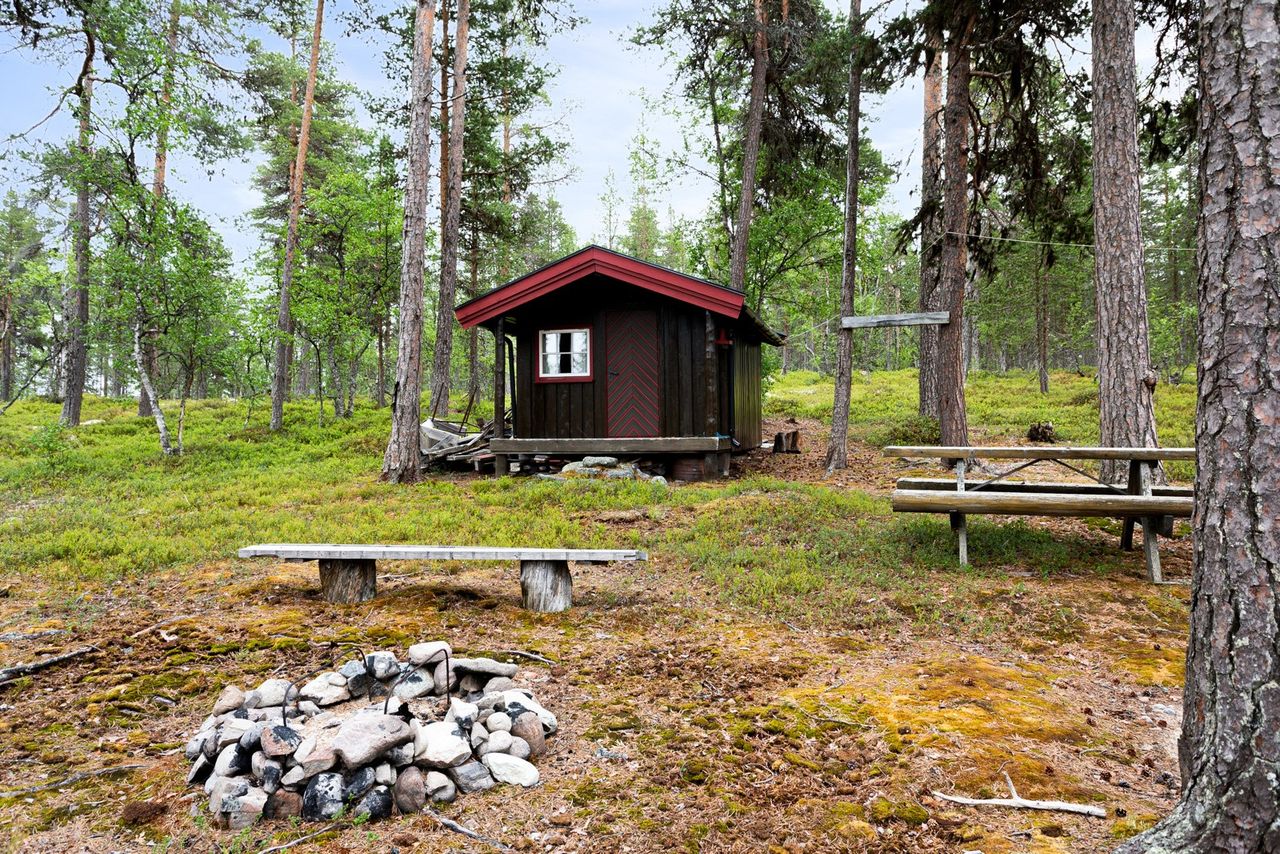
<point>546,585</point>
<point>346,582</point>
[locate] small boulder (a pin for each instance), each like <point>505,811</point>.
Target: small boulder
<point>233,761</point>
<point>418,683</point>
<point>358,679</point>
<point>462,713</point>
<point>528,727</point>
<point>509,769</point>
<point>364,737</point>
<point>244,809</point>
<point>376,804</point>
<point>283,804</point>
<point>200,771</point>
<point>229,699</point>
<point>410,791</point>
<point>601,462</point>
<point>429,652</point>
<point>518,701</point>
<point>440,745</point>
<point>280,741</point>
<point>498,722</point>
<point>486,666</point>
<point>273,692</point>
<point>322,799</point>
<point>384,774</point>
<point>519,748</point>
<point>499,742</point>
<point>324,692</point>
<point>471,777</point>
<point>384,664</point>
<point>359,784</point>
<point>498,684</point>
<point>440,788</point>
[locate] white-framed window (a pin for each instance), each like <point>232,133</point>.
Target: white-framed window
<point>564,354</point>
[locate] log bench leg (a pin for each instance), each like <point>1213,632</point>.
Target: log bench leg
<point>545,585</point>
<point>348,581</point>
<point>501,465</point>
<point>961,526</point>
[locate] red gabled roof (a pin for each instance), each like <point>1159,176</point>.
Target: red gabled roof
<point>596,259</point>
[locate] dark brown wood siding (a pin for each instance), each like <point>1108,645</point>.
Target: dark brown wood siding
<point>747,395</point>
<point>705,388</point>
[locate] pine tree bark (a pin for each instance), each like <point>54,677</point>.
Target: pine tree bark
<point>1230,743</point>
<point>955,222</point>
<point>750,150</point>
<point>838,444</point>
<point>284,318</point>
<point>76,304</point>
<point>931,225</point>
<point>443,357</point>
<point>1126,380</point>
<point>401,462</point>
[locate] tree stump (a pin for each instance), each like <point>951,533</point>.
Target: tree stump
<point>545,585</point>
<point>348,581</point>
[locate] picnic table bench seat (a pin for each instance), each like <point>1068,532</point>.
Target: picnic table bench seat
<point>348,572</point>
<point>1140,501</point>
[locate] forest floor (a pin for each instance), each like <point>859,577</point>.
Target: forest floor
<point>795,668</point>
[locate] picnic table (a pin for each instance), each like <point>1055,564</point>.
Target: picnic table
<point>1140,500</point>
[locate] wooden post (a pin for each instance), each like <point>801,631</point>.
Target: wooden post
<point>501,466</point>
<point>348,581</point>
<point>546,585</point>
<point>958,522</point>
<point>1135,488</point>
<point>1150,539</point>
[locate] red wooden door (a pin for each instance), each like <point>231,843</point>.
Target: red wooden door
<point>633,401</point>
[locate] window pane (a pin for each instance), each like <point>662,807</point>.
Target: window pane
<point>565,364</point>
<point>580,363</point>
<point>548,342</point>
<point>580,342</point>
<point>549,364</point>
<point>565,339</point>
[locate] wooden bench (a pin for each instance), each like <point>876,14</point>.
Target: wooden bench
<point>348,573</point>
<point>1140,502</point>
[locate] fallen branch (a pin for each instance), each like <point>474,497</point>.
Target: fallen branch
<point>9,674</point>
<point>166,621</point>
<point>1022,803</point>
<point>450,824</point>
<point>532,656</point>
<point>74,778</point>
<point>301,839</point>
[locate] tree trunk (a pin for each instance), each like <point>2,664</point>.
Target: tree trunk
<point>284,319</point>
<point>838,445</point>
<point>150,354</point>
<point>954,274</point>
<point>401,462</point>
<point>76,305</point>
<point>347,582</point>
<point>546,585</point>
<point>440,379</point>
<point>1042,325</point>
<point>473,334</point>
<point>1126,380</point>
<point>750,151</point>
<point>144,379</point>
<point>931,225</point>
<point>1230,744</point>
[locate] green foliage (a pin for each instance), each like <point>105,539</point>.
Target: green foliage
<point>50,444</point>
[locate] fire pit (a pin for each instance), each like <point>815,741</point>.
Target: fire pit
<point>374,736</point>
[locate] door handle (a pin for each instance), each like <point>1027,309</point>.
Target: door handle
<point>613,373</point>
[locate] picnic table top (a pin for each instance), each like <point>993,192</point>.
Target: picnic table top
<point>352,551</point>
<point>1040,452</point>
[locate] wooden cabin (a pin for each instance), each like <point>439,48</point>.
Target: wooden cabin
<point>614,355</point>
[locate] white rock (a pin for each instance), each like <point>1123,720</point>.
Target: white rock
<point>230,699</point>
<point>519,748</point>
<point>383,663</point>
<point>384,774</point>
<point>429,652</point>
<point>440,788</point>
<point>484,665</point>
<point>462,713</point>
<point>499,742</point>
<point>498,721</point>
<point>509,769</point>
<point>440,745</point>
<point>233,730</point>
<point>479,735</point>
<point>273,691</point>
<point>523,701</point>
<point>419,682</point>
<point>364,737</point>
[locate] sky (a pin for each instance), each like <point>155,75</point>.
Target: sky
<point>602,94</point>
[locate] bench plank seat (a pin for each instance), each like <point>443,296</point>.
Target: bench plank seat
<point>1040,452</point>
<point>348,571</point>
<point>948,484</point>
<point>1038,504</point>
